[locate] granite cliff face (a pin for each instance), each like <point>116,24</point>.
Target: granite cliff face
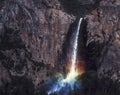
<point>32,36</point>
<point>103,38</point>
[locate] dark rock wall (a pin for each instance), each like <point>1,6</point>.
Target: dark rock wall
<point>103,39</point>
<point>32,33</point>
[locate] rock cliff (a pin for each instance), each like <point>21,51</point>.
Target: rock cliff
<point>103,38</point>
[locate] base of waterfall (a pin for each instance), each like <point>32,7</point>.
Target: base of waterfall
<point>63,86</point>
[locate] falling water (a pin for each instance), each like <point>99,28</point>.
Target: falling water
<point>75,44</point>
<point>73,73</point>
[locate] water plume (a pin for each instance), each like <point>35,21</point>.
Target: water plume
<point>69,82</point>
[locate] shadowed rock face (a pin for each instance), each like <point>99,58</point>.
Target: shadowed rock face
<point>79,7</point>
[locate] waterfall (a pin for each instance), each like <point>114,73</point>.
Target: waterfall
<point>75,45</point>
<point>72,74</point>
